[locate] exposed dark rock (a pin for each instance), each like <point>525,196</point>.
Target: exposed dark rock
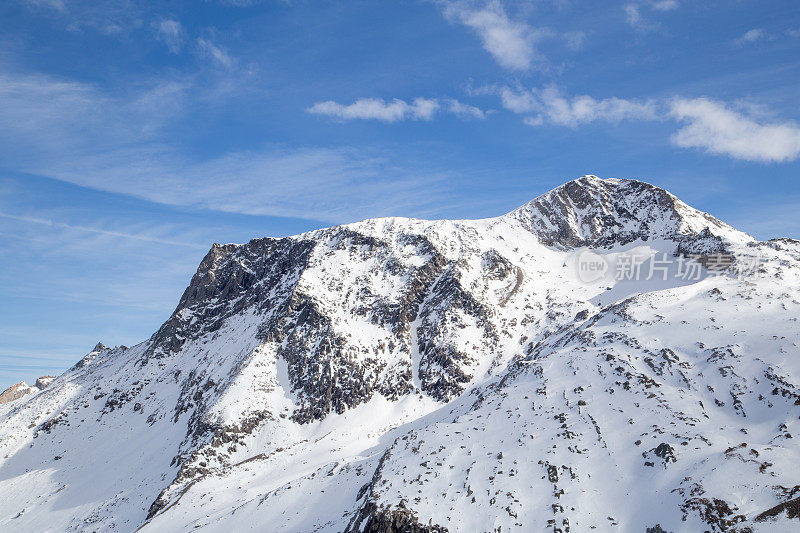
<point>665,452</point>
<point>715,512</point>
<point>394,520</point>
<point>790,507</point>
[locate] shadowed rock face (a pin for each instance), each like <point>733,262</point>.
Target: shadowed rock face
<point>328,372</point>
<point>400,375</point>
<point>230,279</point>
<point>399,520</point>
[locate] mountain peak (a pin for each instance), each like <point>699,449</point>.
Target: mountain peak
<point>600,213</point>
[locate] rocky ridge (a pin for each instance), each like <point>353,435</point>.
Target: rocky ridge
<point>22,389</point>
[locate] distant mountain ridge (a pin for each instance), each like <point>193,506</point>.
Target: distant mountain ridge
<point>411,375</point>
<point>18,390</point>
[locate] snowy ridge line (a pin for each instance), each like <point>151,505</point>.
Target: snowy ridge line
<point>426,376</point>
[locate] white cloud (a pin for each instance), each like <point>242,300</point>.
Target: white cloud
<point>706,123</point>
<point>171,33</point>
<point>637,20</point>
<point>665,5</point>
<point>57,5</point>
<point>632,15</point>
<point>377,109</point>
<point>395,110</point>
<point>110,17</point>
<point>465,110</point>
<point>209,50</point>
<point>720,130</point>
<point>511,43</point>
<point>548,105</point>
<point>751,36</point>
<point>520,101</point>
<point>575,40</point>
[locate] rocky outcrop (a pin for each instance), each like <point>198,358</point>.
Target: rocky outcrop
<point>394,520</point>
<point>15,392</point>
<point>22,389</point>
<point>790,507</point>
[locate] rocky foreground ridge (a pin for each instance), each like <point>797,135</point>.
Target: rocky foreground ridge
<point>402,375</point>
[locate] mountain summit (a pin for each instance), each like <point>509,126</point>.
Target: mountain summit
<point>593,212</point>
<point>403,375</point>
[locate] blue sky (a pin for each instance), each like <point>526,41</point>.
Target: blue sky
<point>135,134</point>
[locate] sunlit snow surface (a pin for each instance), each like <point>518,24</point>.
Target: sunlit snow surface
<point>607,405</point>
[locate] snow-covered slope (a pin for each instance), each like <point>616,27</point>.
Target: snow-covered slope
<point>411,375</point>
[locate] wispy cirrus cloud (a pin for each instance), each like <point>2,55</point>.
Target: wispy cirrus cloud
<point>171,32</point>
<point>633,16</point>
<point>759,35</point>
<point>575,39</point>
<point>718,129</point>
<point>99,231</point>
<point>74,274</point>
<point>635,13</point>
<point>394,110</point>
<point>57,5</point>
<point>322,184</point>
<point>78,133</point>
<point>208,49</point>
<point>751,36</point>
<point>111,17</point>
<point>44,114</point>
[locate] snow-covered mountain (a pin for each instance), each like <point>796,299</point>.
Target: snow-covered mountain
<point>401,375</point>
